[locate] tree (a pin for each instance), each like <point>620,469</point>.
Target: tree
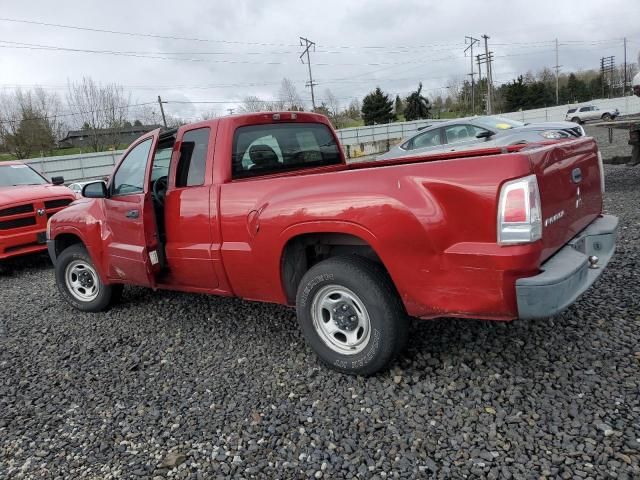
<point>100,107</point>
<point>289,97</point>
<point>29,122</point>
<point>252,103</point>
<point>377,107</point>
<point>322,109</point>
<point>399,106</point>
<point>137,123</point>
<point>417,106</point>
<point>353,110</point>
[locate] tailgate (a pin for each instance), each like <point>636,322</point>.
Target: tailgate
<point>569,181</point>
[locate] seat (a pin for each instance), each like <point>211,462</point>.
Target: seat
<point>263,156</point>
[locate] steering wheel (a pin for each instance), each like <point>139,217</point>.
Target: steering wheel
<point>160,190</point>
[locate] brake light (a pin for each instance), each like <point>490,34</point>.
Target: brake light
<point>601,168</point>
<point>519,212</point>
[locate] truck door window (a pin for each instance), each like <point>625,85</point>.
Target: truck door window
<point>129,178</point>
<point>262,149</point>
<point>193,158</point>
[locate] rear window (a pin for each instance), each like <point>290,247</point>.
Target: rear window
<point>264,149</point>
<point>571,110</point>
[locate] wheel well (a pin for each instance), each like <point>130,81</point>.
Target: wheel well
<point>304,251</point>
<point>65,240</point>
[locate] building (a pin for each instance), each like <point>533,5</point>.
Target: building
<point>109,136</point>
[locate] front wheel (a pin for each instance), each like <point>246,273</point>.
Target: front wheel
<point>606,117</point>
<point>79,283</point>
<point>350,314</point>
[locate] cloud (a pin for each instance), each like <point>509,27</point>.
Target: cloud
<point>254,44</point>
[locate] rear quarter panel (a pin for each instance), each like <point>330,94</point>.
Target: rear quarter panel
<point>428,222</point>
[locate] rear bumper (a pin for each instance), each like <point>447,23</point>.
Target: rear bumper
<point>567,275</point>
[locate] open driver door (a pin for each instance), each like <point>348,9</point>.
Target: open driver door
<point>132,249</point>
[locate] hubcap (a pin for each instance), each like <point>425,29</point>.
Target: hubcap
<point>341,319</point>
<point>82,281</point>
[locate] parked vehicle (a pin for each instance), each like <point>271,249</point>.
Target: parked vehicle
<point>27,200</point>
<point>77,187</point>
<point>587,113</point>
<point>274,214</point>
<point>476,132</point>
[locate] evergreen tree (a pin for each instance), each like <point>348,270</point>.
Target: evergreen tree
<point>417,106</point>
<point>399,107</point>
<point>377,107</point>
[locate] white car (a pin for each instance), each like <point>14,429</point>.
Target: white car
<point>78,186</point>
<point>590,112</point>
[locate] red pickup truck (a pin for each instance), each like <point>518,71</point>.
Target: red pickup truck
<point>27,201</point>
<point>264,207</point>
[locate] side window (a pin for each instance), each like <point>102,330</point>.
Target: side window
<point>431,138</point>
<point>130,175</point>
<point>584,109</point>
<point>193,158</point>
<point>461,133</point>
<point>269,148</point>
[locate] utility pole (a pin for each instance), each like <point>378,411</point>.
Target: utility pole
<point>489,79</point>
<point>164,119</point>
<point>624,85</point>
<point>607,65</point>
<point>472,42</point>
<point>308,44</point>
<point>557,76</point>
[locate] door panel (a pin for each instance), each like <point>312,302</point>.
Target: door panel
<point>132,231</point>
<point>192,243</point>
<point>192,236</point>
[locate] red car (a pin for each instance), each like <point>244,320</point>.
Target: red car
<point>263,206</point>
<point>27,201</point>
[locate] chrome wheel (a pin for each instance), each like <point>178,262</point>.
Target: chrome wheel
<point>341,320</point>
<point>82,281</point>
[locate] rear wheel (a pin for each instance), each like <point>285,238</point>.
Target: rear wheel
<point>351,315</point>
<point>79,283</point>
<point>576,120</point>
<point>606,117</point>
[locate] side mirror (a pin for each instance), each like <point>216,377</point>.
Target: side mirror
<point>484,134</point>
<point>57,180</point>
<point>95,190</point>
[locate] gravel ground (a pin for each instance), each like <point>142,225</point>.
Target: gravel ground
<point>186,386</point>
<point>617,151</point>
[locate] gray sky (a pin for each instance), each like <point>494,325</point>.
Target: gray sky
<point>244,47</point>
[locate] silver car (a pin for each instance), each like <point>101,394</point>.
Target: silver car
<point>478,132</point>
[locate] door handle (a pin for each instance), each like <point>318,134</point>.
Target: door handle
<point>133,214</point>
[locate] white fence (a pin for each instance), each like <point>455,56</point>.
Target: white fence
<point>357,141</point>
<point>626,106</point>
<point>75,168</point>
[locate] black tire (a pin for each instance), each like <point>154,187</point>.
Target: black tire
<point>576,120</point>
<point>606,117</point>
<point>105,294</point>
<point>388,324</point>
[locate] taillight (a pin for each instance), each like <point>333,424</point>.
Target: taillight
<point>601,168</point>
<point>519,212</point>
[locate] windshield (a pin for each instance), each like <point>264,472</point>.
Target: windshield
<point>497,123</point>
<point>12,175</point>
